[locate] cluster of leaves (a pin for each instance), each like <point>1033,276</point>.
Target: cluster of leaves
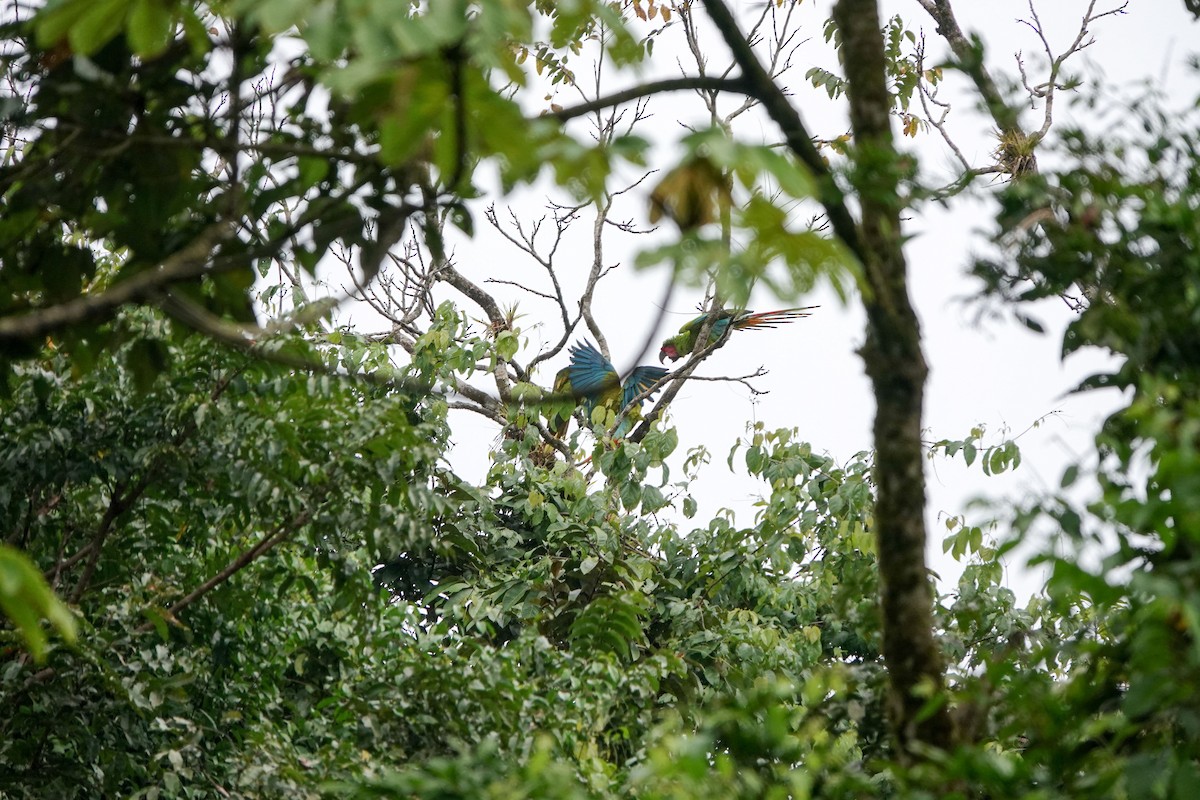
<point>903,71</point>
<point>996,458</point>
<point>537,633</point>
<point>1114,712</point>
<point>777,254</point>
<point>637,651</point>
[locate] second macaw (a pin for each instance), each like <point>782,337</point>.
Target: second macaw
<point>593,378</point>
<point>683,343</point>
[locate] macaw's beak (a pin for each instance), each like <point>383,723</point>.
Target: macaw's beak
<point>662,356</point>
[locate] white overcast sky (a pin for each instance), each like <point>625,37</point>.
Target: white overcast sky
<point>995,373</point>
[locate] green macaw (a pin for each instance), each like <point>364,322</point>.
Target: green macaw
<point>592,377</point>
<point>683,343</point>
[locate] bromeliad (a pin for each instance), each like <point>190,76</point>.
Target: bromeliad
<point>683,343</point>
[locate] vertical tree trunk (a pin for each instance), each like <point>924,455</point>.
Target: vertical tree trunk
<point>897,369</point>
<point>892,352</point>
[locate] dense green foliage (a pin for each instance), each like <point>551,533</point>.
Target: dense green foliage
<point>531,616</point>
<point>132,500</point>
<point>1123,716</point>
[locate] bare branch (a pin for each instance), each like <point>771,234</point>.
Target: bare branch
<point>522,287</point>
<point>680,377</point>
<point>742,379</point>
<point>596,272</point>
<point>1083,39</point>
<point>971,61</point>
<point>526,242</point>
<point>929,95</point>
<point>676,380</point>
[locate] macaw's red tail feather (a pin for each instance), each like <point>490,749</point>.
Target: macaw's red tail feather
<point>771,319</point>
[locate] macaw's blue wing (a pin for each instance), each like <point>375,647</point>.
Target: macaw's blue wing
<point>639,380</point>
<point>591,373</point>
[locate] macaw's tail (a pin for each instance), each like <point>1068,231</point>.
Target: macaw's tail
<point>771,319</point>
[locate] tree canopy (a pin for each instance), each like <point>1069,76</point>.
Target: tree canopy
<point>237,561</point>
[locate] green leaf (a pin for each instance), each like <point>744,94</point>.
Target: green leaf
<point>53,23</point>
<point>631,495</point>
<point>652,499</point>
<point>195,33</point>
<point>460,217</point>
<point>507,345</point>
<point>313,170</point>
<point>146,359</point>
<point>1070,475</point>
<point>420,106</point>
<point>689,506</point>
<point>26,598</point>
<point>792,177</point>
<point>275,15</point>
<point>150,28</point>
<point>97,25</point>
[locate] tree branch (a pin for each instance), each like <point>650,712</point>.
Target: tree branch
<point>279,534</point>
<point>258,342</point>
<point>118,503</point>
<point>123,499</point>
<point>929,96</point>
<point>1046,90</point>
<point>971,60</point>
<point>447,273</point>
<point>779,108</point>
<point>189,262</point>
<point>685,83</point>
<point>481,403</point>
<point>676,380</point>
